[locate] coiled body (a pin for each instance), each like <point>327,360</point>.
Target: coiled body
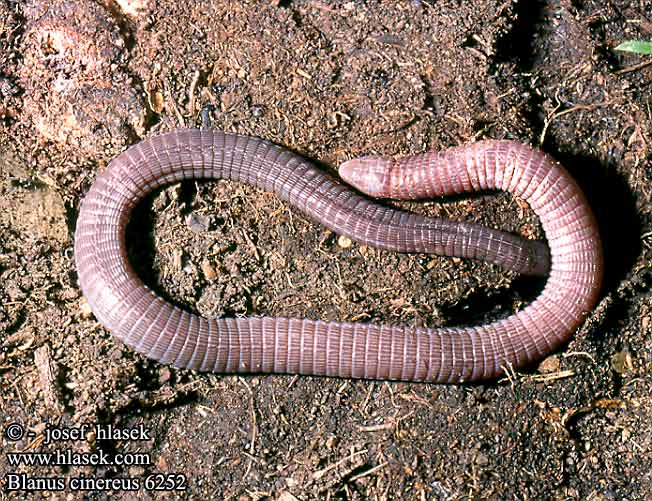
<point>166,333</point>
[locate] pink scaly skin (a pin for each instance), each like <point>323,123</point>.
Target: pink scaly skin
<point>150,325</point>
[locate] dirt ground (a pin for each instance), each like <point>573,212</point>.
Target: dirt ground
<point>79,81</point>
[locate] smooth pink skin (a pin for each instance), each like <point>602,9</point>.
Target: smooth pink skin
<point>164,332</point>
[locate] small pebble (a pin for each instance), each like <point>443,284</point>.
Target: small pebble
<point>164,375</point>
<point>208,270</point>
<point>344,242</point>
<point>550,364</point>
<point>198,222</point>
<point>157,102</point>
<point>257,111</point>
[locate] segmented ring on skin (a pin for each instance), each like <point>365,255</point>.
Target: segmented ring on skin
<point>162,331</point>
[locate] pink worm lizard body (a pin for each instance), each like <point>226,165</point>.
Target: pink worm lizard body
<point>147,323</point>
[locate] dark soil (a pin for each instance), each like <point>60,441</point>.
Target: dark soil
<point>79,81</point>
